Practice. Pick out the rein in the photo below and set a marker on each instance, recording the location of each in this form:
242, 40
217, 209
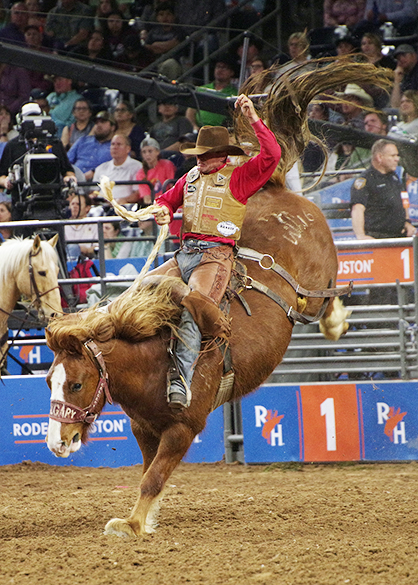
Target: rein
292, 314
65, 412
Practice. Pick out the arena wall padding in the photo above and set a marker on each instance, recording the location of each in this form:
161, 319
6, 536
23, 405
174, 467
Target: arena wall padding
24, 404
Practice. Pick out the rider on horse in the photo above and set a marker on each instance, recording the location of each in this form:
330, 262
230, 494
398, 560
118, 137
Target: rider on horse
213, 195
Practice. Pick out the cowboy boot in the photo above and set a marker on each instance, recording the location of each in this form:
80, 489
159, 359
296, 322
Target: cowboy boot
200, 317
184, 356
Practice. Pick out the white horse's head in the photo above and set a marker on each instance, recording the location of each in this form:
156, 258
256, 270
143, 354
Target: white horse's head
30, 268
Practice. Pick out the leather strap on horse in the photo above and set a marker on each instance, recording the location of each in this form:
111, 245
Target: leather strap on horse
291, 313
65, 412
37, 302
249, 254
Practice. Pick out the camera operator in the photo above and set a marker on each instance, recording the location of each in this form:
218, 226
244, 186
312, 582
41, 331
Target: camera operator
31, 197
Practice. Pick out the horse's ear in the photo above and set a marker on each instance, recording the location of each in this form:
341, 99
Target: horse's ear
36, 244
53, 241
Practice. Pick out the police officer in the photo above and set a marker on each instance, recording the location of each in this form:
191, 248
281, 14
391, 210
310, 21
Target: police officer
377, 210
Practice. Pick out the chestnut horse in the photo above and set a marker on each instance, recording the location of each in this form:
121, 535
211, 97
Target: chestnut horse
133, 338
122, 353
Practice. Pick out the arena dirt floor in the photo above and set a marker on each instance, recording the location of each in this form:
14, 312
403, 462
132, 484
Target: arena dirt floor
219, 524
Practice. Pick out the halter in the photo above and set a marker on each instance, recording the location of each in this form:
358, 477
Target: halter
34, 287
65, 412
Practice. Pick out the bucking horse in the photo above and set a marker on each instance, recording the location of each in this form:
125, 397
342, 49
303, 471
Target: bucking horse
286, 272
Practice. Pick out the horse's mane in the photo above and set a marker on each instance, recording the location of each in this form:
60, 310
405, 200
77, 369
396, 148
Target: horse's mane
285, 109
138, 314
14, 254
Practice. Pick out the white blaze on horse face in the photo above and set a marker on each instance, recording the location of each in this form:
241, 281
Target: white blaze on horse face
54, 440
57, 393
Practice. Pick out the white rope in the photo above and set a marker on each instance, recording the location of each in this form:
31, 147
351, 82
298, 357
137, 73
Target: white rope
106, 187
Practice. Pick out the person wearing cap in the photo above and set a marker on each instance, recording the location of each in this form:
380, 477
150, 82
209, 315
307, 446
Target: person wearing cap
171, 127
213, 195
14, 151
91, 151
345, 45
39, 96
225, 69
121, 167
406, 73
61, 102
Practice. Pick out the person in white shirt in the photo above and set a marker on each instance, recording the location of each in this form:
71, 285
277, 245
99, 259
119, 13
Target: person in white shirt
79, 207
121, 168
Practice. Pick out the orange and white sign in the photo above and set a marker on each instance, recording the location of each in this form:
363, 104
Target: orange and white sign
376, 265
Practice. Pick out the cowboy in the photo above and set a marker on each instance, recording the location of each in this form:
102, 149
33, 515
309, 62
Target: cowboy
213, 195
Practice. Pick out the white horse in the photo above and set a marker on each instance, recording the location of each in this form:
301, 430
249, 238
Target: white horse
29, 268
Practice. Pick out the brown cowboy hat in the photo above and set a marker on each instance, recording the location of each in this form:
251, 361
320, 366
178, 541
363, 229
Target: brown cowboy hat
211, 139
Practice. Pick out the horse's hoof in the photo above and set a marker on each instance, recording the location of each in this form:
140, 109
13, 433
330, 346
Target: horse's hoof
119, 527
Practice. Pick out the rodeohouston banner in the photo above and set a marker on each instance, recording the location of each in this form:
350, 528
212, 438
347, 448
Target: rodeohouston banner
366, 421
24, 404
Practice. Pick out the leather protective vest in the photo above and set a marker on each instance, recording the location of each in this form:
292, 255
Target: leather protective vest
209, 207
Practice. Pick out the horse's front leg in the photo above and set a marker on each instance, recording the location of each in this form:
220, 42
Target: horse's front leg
174, 444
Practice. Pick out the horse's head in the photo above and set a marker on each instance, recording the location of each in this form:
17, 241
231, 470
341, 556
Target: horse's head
79, 390
39, 282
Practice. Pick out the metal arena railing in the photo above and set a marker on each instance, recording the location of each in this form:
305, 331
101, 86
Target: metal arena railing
381, 336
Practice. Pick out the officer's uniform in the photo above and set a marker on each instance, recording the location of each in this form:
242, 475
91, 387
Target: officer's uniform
384, 215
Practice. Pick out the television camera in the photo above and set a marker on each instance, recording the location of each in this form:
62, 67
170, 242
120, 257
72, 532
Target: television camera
36, 175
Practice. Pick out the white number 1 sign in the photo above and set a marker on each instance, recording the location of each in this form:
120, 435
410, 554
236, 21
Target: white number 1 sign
328, 410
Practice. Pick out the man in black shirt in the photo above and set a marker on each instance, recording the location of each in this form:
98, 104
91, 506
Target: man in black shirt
376, 204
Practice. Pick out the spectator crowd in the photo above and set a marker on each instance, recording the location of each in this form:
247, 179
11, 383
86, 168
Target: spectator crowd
106, 132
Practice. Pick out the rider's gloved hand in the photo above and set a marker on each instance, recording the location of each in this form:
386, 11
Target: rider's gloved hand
162, 217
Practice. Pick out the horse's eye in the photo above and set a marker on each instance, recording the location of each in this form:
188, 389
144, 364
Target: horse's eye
76, 387
42, 273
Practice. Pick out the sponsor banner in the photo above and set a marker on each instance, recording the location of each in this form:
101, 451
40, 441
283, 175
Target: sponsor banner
25, 403
331, 422
390, 417
272, 429
376, 265
37, 357
412, 188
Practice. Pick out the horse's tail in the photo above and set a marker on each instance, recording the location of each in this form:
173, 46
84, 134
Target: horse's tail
333, 324
288, 95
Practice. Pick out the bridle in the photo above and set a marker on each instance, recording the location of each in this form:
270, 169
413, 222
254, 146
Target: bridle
34, 287
65, 412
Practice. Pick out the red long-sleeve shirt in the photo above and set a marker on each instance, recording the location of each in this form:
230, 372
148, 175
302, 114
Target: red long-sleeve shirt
246, 180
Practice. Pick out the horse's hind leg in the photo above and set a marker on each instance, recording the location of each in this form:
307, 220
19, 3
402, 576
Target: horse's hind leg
174, 444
